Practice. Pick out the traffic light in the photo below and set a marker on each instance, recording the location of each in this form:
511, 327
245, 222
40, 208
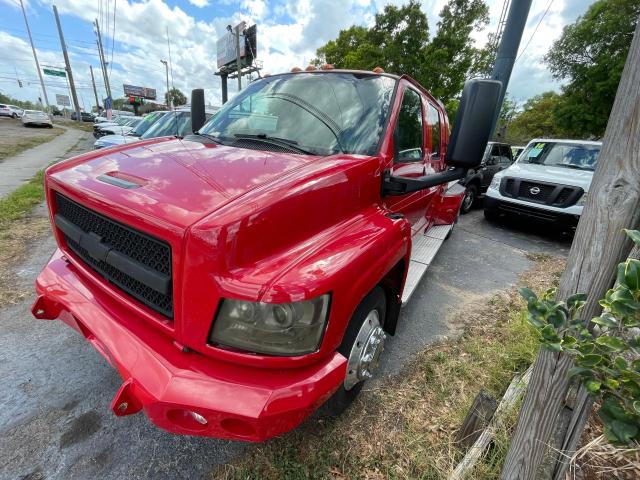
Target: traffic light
135, 100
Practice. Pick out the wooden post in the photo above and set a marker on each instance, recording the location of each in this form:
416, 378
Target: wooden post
479, 416
599, 245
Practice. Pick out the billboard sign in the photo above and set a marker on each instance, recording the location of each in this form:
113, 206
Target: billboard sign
54, 73
63, 100
226, 47
143, 92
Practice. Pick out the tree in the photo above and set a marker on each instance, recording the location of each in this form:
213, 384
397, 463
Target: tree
399, 42
451, 54
590, 55
508, 112
176, 96
536, 119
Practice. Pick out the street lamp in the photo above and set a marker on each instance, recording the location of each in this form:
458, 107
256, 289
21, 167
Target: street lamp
169, 99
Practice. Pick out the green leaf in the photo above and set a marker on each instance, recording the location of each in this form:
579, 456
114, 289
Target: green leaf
586, 348
625, 431
606, 320
554, 347
568, 341
611, 383
527, 294
592, 385
590, 360
581, 371
620, 363
612, 343
636, 406
549, 334
576, 300
535, 321
633, 235
558, 317
632, 274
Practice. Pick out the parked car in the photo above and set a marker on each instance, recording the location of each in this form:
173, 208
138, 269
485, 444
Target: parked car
17, 111
241, 276
85, 116
497, 157
123, 129
5, 111
36, 117
133, 135
549, 181
119, 121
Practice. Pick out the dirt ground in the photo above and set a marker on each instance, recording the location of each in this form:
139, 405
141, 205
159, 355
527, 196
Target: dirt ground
13, 134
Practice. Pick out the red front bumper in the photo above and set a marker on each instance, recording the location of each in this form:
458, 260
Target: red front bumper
182, 392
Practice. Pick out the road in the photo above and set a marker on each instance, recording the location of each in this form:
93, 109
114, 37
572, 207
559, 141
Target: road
56, 390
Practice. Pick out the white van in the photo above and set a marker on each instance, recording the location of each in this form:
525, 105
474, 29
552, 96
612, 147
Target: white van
549, 181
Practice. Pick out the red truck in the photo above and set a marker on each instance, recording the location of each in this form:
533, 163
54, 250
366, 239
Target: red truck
240, 277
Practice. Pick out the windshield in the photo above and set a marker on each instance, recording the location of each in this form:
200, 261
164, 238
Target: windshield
558, 154
319, 113
146, 123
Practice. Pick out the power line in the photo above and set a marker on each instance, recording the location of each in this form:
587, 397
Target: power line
534, 31
113, 36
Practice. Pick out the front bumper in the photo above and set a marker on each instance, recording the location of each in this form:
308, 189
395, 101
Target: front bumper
180, 390
513, 209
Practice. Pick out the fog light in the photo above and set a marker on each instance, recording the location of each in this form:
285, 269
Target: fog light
198, 418
187, 419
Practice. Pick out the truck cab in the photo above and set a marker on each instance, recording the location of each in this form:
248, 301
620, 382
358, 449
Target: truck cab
241, 276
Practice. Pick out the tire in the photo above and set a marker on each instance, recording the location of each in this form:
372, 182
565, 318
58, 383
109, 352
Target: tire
470, 196
374, 301
14, 116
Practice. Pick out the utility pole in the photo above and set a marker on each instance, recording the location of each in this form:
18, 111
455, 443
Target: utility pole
35, 57
95, 91
508, 49
102, 61
68, 66
238, 59
169, 99
613, 203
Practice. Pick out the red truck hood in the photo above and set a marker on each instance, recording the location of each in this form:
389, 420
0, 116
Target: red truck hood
175, 180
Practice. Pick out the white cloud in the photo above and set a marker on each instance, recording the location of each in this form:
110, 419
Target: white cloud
199, 3
282, 44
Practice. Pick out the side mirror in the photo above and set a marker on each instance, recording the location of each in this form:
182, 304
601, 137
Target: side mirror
468, 141
472, 128
198, 117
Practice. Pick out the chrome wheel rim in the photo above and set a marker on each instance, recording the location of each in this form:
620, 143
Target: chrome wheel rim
366, 351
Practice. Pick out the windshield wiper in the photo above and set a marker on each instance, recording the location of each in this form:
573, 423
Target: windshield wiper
274, 140
213, 138
576, 167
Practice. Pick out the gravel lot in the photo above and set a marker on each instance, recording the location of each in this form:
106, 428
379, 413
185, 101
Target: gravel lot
56, 390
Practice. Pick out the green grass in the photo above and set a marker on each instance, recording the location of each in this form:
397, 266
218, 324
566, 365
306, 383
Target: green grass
406, 426
84, 126
20, 202
24, 143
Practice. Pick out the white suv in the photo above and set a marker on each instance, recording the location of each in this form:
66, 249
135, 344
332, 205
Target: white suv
549, 181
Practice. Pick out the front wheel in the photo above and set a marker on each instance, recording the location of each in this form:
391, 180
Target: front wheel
362, 346
470, 196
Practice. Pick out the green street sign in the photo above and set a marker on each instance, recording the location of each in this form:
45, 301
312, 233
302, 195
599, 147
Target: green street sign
55, 73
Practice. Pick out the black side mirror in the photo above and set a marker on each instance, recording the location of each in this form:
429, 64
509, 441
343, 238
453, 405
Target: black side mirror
468, 141
471, 131
198, 117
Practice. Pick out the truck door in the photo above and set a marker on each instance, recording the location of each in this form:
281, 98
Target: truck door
410, 158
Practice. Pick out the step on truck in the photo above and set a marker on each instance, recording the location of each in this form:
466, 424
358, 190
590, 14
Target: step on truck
242, 276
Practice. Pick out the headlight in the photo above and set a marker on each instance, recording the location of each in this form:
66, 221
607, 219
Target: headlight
495, 183
582, 200
273, 328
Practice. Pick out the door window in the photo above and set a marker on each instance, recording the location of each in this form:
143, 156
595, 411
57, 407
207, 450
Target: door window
409, 128
433, 119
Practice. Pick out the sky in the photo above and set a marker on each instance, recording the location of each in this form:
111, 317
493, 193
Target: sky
289, 32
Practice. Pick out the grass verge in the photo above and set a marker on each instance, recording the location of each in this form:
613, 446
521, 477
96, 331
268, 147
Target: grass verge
84, 126
24, 143
18, 228
405, 427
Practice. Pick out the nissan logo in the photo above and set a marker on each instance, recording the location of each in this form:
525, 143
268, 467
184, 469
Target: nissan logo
534, 190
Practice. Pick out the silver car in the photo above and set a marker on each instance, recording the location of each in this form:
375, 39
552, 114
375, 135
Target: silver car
36, 117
